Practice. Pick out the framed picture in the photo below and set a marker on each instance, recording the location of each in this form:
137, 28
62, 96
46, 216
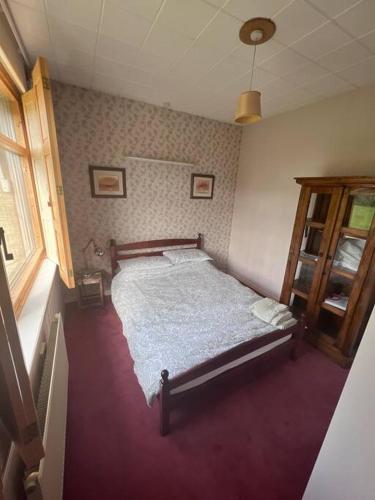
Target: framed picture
202, 186
107, 182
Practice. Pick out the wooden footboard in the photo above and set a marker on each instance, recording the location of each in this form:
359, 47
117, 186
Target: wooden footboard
167, 385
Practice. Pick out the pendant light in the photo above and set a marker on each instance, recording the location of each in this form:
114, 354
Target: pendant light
253, 32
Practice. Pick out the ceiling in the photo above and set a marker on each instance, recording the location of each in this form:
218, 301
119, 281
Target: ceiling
186, 54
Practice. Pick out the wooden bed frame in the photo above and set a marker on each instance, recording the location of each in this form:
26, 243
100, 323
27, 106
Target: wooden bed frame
166, 399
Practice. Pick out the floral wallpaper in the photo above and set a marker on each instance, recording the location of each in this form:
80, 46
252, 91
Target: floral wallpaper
98, 129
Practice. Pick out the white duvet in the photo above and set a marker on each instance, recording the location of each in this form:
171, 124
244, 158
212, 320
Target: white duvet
177, 317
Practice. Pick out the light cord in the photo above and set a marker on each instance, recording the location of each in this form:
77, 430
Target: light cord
252, 67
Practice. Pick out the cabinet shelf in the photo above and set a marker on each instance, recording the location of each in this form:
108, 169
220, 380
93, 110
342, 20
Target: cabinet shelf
345, 273
355, 233
307, 260
301, 288
332, 309
315, 225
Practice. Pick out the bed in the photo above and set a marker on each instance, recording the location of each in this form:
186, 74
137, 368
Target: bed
188, 323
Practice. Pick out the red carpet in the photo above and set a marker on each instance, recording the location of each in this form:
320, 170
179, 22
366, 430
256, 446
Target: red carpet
252, 437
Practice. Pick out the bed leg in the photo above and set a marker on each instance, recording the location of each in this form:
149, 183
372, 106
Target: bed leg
164, 403
298, 337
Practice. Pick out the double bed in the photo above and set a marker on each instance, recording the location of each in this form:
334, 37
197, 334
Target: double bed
188, 322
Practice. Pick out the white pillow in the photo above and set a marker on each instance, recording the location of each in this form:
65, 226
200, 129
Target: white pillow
143, 263
187, 255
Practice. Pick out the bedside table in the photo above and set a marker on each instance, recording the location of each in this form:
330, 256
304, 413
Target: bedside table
90, 288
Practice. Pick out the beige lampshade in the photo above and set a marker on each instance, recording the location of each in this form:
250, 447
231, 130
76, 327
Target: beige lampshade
248, 107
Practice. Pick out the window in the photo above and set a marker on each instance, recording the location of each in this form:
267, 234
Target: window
18, 212
31, 192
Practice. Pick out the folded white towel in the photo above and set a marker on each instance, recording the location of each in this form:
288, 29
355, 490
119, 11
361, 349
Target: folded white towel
287, 324
267, 309
281, 317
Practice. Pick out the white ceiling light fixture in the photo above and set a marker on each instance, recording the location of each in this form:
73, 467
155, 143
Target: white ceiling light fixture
253, 32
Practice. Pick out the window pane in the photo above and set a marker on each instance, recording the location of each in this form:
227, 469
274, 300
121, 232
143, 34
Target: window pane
15, 214
7, 127
361, 211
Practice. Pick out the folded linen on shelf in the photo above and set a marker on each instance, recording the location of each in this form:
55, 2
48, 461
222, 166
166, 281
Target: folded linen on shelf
272, 312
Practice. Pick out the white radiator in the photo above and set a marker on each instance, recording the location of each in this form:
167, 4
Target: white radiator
46, 483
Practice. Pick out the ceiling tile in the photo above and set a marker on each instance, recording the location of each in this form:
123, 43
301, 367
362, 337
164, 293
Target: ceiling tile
74, 58
284, 62
122, 72
54, 71
104, 83
29, 21
221, 75
324, 39
123, 25
260, 79
124, 88
170, 44
144, 8
141, 93
244, 10
306, 73
277, 88
35, 45
369, 40
360, 19
33, 4
296, 21
84, 13
333, 8
362, 73
115, 50
41, 50
344, 57
188, 18
328, 85
196, 62
67, 35
221, 34
217, 3
292, 100
149, 61
82, 77
265, 51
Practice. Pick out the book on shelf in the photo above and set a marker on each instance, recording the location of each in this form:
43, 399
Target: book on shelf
340, 301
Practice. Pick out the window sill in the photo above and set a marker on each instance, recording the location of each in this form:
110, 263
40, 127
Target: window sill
31, 316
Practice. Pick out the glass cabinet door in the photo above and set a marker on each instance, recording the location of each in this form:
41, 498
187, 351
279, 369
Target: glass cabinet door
347, 250
309, 253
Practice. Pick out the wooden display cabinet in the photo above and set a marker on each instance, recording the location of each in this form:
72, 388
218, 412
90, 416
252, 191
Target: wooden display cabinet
330, 274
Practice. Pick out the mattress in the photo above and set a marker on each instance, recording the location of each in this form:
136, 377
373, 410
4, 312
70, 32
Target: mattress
178, 317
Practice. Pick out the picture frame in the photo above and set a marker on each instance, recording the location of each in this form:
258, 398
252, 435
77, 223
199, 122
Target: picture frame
202, 186
107, 182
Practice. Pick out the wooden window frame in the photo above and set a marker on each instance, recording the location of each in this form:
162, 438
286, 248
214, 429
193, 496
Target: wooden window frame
21, 288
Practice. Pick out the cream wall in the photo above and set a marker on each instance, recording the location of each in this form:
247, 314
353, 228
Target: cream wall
333, 137
345, 467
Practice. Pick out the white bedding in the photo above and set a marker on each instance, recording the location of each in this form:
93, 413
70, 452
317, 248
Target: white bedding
177, 317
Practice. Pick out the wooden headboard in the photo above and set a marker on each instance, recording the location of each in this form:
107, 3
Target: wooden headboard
126, 250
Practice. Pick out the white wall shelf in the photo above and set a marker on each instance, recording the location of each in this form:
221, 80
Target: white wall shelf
157, 160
